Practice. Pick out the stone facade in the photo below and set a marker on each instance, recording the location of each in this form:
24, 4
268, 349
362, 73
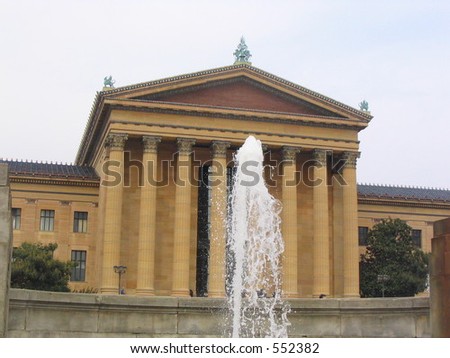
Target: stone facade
419, 207
136, 181
35, 193
192, 115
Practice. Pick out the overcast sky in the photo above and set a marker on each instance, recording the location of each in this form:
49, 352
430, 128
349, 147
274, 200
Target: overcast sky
395, 54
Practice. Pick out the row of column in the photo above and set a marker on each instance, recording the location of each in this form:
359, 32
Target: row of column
182, 230
147, 217
321, 225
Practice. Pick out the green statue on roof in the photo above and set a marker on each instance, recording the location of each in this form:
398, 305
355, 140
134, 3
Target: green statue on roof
108, 82
242, 54
364, 106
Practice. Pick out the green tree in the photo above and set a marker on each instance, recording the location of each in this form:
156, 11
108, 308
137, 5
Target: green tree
392, 255
34, 268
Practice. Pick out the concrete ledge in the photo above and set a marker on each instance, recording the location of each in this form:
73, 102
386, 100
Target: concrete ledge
51, 314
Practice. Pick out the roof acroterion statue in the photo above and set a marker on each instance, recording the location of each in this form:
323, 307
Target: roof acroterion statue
364, 106
108, 82
242, 54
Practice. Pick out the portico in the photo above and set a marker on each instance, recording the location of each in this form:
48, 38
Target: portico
149, 142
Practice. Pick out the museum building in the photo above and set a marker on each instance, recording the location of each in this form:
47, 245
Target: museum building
149, 188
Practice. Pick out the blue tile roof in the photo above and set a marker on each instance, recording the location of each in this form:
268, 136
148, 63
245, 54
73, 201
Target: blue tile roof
54, 170
401, 192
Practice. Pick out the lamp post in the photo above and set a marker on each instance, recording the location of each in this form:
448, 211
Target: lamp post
382, 279
120, 270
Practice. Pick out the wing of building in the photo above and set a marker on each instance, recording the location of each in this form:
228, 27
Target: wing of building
149, 187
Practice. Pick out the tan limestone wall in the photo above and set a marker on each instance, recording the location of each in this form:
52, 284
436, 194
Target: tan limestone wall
418, 217
65, 200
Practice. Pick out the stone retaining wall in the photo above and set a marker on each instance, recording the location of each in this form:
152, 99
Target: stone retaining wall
49, 314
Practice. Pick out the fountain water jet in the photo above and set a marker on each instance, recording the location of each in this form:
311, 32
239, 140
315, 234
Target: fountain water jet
255, 246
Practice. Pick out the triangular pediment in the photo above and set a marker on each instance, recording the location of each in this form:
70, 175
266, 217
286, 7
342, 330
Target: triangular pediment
239, 93
237, 87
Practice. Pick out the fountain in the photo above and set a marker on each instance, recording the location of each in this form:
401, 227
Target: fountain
255, 247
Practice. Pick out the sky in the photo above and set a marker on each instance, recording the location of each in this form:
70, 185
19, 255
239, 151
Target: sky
394, 54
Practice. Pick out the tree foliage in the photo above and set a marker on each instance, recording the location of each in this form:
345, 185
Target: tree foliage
391, 252
34, 268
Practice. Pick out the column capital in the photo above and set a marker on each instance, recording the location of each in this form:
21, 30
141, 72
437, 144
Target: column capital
290, 153
150, 143
185, 145
219, 149
350, 159
320, 156
116, 141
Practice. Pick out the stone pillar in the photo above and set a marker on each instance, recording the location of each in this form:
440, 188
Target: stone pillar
114, 180
217, 258
337, 261
440, 280
147, 218
350, 225
5, 248
321, 238
182, 232
289, 222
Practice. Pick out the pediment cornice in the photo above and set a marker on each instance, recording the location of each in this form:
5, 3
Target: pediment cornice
139, 97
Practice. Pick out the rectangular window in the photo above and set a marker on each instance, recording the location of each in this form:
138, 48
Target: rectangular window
80, 219
79, 269
417, 237
362, 235
47, 220
16, 216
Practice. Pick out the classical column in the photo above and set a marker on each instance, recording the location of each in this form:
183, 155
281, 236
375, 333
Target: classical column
289, 222
350, 225
182, 224
114, 177
321, 237
147, 218
218, 182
